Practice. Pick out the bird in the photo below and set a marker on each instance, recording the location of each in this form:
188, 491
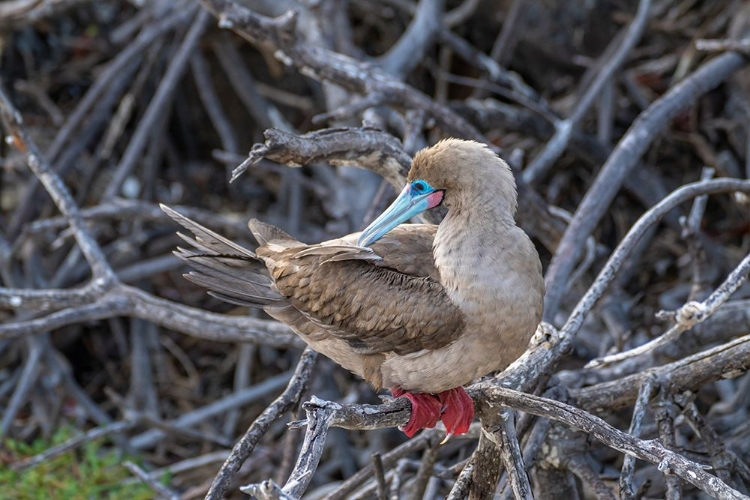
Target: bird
421, 309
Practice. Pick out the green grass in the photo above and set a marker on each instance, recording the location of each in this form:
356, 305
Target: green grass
89, 472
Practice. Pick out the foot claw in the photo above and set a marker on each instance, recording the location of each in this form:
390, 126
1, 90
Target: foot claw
446, 439
425, 410
458, 411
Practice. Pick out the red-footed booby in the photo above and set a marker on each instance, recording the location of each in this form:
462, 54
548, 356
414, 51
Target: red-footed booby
418, 308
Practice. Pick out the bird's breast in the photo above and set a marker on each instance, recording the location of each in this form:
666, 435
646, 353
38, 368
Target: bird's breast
495, 281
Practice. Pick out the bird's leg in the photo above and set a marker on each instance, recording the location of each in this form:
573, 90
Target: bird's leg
458, 410
425, 410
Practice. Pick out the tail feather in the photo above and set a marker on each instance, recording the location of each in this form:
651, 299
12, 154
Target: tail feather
205, 239
236, 291
225, 267
229, 271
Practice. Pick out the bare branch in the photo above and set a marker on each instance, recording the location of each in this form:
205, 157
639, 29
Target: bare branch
19, 138
649, 451
686, 317
162, 491
279, 36
156, 107
722, 362
410, 48
244, 447
618, 165
564, 129
627, 489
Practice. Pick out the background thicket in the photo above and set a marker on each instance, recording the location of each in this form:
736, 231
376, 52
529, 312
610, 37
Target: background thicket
626, 123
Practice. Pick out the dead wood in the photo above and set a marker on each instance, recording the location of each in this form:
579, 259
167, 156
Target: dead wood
626, 123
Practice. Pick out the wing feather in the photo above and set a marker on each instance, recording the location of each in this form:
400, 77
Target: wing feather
376, 308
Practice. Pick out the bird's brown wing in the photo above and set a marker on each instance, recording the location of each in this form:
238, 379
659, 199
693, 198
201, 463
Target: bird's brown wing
408, 249
387, 299
353, 294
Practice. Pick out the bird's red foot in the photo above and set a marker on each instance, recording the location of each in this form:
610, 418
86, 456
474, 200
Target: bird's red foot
458, 411
425, 410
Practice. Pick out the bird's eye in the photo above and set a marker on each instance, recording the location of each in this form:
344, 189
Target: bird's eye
419, 186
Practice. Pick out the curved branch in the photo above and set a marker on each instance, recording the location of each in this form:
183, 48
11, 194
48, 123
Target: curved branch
625, 156
125, 300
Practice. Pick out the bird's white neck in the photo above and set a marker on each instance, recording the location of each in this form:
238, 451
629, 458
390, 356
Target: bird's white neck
471, 251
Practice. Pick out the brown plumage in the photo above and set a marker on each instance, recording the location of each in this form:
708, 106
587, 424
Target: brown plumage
425, 309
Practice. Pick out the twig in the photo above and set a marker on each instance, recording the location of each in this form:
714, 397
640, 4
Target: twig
285, 402
350, 109
319, 420
169, 428
510, 452
152, 483
460, 488
102, 93
242, 81
722, 45
366, 147
605, 115
26, 381
426, 467
664, 414
143, 395
649, 451
18, 14
409, 50
120, 208
155, 110
398, 473
423, 440
579, 466
377, 463
533, 445
267, 490
124, 300
186, 465
517, 91
60, 194
151, 437
292, 441
212, 104
461, 14
687, 316
722, 459
725, 361
564, 129
628, 243
627, 489
56, 451
242, 370
280, 37
691, 233
502, 49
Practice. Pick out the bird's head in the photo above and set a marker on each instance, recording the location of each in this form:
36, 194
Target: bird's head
452, 173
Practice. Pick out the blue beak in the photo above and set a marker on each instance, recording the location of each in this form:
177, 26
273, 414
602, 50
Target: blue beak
406, 206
